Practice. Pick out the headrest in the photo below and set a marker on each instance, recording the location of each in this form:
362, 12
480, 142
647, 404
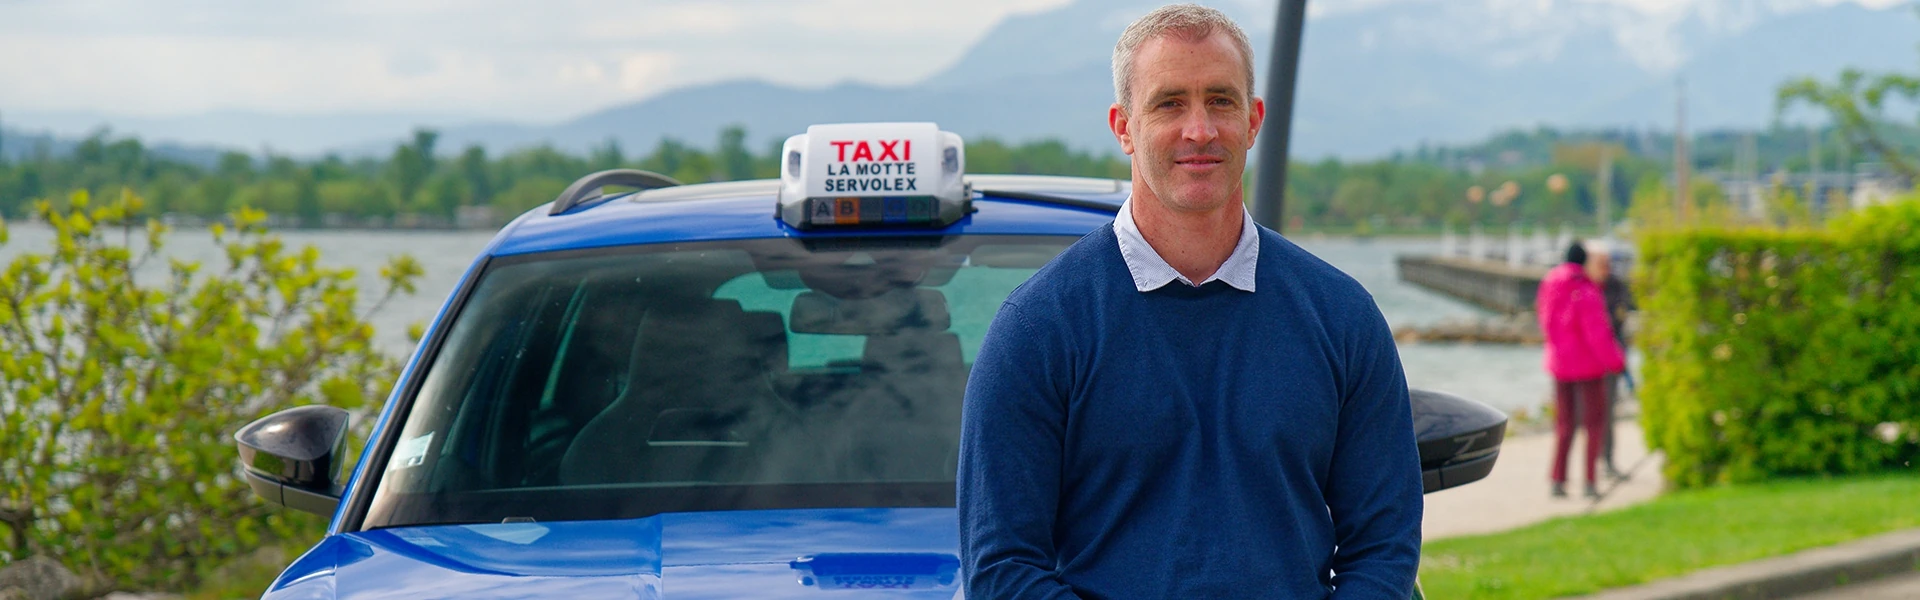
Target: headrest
706, 331
771, 334
896, 310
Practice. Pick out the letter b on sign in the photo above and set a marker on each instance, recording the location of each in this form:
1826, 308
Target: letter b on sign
846, 211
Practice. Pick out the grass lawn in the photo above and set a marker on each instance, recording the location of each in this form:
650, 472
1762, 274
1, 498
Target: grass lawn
1675, 534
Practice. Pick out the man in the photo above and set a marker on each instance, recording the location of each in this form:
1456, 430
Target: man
1619, 300
1187, 405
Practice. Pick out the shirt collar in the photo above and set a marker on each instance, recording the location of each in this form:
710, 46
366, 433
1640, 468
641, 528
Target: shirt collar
1151, 272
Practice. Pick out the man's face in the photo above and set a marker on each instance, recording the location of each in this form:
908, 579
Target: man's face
1191, 121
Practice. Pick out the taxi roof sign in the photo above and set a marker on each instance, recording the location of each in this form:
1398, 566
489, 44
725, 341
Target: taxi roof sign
873, 174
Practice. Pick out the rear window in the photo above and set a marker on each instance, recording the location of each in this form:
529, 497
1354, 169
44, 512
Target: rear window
754, 374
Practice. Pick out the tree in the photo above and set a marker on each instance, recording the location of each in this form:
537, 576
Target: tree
607, 156
696, 167
445, 194
667, 158
376, 199
92, 150
306, 200
770, 166
281, 167
26, 185
236, 166
423, 142
412, 163
1357, 198
169, 193
736, 163
216, 195
474, 169
527, 193
120, 395
1855, 102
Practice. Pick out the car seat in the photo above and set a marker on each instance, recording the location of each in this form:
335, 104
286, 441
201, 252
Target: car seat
698, 399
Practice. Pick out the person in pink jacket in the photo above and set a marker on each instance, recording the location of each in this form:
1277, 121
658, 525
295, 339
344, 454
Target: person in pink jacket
1581, 352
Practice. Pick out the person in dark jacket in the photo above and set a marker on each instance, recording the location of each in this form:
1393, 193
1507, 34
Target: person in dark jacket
1619, 302
1581, 352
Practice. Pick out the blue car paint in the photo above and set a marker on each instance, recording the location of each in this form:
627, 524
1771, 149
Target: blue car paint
703, 555
882, 552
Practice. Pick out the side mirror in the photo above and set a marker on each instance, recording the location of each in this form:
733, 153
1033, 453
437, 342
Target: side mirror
292, 457
1458, 438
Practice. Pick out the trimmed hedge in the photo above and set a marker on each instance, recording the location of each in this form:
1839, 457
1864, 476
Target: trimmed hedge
1773, 353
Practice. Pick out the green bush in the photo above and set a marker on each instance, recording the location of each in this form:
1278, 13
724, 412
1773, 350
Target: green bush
123, 375
1783, 352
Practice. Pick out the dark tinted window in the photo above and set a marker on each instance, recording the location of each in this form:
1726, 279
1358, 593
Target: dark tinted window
729, 375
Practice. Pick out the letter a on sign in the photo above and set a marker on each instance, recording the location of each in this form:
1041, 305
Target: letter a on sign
822, 210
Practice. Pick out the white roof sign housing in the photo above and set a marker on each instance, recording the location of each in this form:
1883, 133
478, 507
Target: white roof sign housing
873, 174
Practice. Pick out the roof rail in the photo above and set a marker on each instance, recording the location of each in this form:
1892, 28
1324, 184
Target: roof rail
588, 188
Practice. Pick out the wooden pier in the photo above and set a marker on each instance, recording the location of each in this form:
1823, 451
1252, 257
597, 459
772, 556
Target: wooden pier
1493, 285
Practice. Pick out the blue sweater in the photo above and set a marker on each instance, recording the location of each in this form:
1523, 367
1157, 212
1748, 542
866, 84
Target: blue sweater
1188, 442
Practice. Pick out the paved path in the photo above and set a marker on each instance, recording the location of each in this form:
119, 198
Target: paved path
1515, 493
1903, 587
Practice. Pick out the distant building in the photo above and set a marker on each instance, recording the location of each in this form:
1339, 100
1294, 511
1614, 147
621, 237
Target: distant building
1868, 184
475, 217
1875, 184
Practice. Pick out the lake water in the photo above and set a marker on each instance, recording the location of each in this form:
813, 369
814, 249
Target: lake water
1507, 377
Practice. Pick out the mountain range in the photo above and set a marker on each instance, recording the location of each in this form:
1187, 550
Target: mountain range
1375, 76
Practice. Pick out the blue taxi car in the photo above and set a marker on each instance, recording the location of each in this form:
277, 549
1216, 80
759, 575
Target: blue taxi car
747, 389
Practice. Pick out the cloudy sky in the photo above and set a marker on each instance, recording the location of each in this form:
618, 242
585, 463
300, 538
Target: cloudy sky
508, 59
496, 58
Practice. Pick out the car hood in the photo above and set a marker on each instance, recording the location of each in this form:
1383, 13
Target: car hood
874, 553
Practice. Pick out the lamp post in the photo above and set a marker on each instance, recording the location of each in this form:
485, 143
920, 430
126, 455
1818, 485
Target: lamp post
1476, 246
1283, 65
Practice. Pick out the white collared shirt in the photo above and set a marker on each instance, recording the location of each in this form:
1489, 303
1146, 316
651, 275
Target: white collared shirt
1150, 272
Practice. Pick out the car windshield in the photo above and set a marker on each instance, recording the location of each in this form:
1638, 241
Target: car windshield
751, 374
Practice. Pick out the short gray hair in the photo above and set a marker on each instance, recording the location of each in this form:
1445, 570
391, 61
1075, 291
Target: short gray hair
1190, 22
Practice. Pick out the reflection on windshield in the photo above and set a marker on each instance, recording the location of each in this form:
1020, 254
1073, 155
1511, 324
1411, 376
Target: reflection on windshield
621, 383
